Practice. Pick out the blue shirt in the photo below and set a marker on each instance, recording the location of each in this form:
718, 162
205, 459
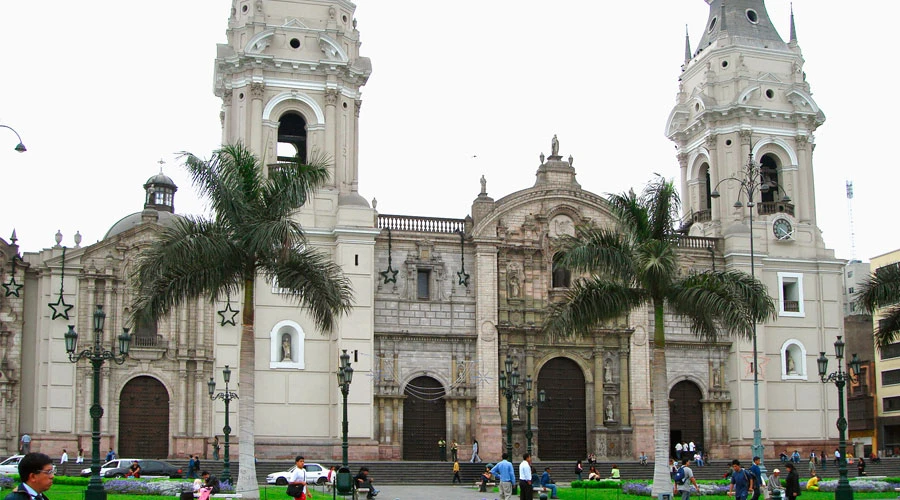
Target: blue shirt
757, 474
545, 478
741, 482
504, 470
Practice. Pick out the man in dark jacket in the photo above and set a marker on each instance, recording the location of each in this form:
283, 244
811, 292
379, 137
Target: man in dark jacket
36, 473
792, 484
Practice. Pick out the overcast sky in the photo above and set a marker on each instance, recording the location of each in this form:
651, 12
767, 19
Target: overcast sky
101, 92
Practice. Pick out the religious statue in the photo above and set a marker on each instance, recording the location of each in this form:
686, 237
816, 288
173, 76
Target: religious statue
286, 347
554, 146
609, 410
460, 371
515, 408
607, 372
514, 288
483, 185
717, 377
791, 368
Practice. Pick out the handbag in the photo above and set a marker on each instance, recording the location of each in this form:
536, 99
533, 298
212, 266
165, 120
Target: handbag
295, 490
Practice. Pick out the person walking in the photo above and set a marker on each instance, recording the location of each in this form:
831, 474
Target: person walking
837, 458
111, 455
685, 481
475, 458
26, 444
197, 466
36, 476
298, 475
79, 459
741, 481
757, 478
792, 484
579, 469
812, 464
63, 463
190, 468
526, 490
504, 470
456, 478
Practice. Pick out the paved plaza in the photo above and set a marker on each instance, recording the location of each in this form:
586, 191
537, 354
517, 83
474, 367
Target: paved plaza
425, 492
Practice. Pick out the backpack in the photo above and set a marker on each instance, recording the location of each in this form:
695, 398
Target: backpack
679, 476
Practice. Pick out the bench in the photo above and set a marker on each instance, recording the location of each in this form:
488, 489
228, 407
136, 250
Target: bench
489, 484
221, 495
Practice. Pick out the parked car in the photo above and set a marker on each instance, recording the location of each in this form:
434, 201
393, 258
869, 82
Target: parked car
10, 465
149, 468
315, 473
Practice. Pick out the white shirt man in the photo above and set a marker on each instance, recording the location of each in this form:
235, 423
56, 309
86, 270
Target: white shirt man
691, 448
526, 490
63, 460
298, 476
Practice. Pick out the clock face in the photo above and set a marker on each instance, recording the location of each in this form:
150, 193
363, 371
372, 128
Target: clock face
783, 229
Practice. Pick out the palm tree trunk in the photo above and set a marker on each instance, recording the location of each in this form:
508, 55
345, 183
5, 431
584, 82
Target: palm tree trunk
247, 483
662, 481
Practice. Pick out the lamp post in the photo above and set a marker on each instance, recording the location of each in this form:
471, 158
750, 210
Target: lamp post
19, 147
97, 355
226, 396
840, 379
751, 183
344, 376
509, 384
529, 404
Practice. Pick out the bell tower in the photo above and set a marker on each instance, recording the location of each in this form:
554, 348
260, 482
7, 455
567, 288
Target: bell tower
745, 115
290, 79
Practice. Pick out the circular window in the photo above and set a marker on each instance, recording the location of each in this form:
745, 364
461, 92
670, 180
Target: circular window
344, 18
724, 64
295, 43
770, 93
345, 105
752, 16
697, 107
241, 95
244, 9
712, 25
728, 142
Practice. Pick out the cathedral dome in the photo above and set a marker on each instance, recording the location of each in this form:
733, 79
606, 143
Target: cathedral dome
160, 179
130, 221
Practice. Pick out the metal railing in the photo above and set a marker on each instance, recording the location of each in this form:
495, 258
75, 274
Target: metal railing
792, 306
420, 224
775, 207
147, 341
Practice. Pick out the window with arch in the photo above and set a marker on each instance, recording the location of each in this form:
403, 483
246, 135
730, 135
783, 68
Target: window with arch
562, 276
287, 340
768, 173
793, 360
291, 138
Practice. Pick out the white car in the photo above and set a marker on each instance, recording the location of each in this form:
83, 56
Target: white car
10, 465
119, 463
315, 473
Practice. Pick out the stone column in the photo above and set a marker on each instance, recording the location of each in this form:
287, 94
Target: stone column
225, 116
805, 200
598, 418
257, 91
624, 396
487, 421
330, 137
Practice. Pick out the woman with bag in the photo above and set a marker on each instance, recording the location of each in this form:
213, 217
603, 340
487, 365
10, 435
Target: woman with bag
297, 481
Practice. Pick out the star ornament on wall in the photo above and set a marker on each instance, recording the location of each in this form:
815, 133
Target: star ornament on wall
12, 288
228, 315
389, 275
60, 308
463, 278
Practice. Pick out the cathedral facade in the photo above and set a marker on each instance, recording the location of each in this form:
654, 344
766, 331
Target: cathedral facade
441, 304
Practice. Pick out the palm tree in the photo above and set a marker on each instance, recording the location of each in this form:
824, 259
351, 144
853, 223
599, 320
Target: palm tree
251, 233
636, 264
882, 290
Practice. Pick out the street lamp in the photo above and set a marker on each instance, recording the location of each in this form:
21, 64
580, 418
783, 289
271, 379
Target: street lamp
344, 376
529, 404
509, 384
751, 182
19, 147
840, 378
97, 355
226, 396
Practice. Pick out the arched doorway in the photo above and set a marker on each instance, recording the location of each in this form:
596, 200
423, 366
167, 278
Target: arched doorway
563, 428
686, 415
424, 419
144, 419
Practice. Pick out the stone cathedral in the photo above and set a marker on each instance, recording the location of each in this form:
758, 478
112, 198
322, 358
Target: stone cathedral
442, 303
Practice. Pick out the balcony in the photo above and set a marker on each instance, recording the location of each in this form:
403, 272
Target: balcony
421, 224
792, 306
775, 207
701, 216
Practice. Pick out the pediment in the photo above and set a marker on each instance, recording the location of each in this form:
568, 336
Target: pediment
294, 23
769, 77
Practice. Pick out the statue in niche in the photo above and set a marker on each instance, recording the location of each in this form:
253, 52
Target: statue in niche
460, 372
514, 287
609, 410
717, 377
515, 408
286, 347
791, 368
607, 372
554, 146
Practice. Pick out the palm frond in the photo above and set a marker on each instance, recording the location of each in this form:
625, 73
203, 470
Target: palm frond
230, 180
597, 250
888, 330
631, 215
316, 282
590, 302
291, 184
656, 265
193, 258
661, 200
880, 289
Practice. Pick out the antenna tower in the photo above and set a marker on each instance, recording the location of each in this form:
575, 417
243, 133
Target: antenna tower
852, 230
